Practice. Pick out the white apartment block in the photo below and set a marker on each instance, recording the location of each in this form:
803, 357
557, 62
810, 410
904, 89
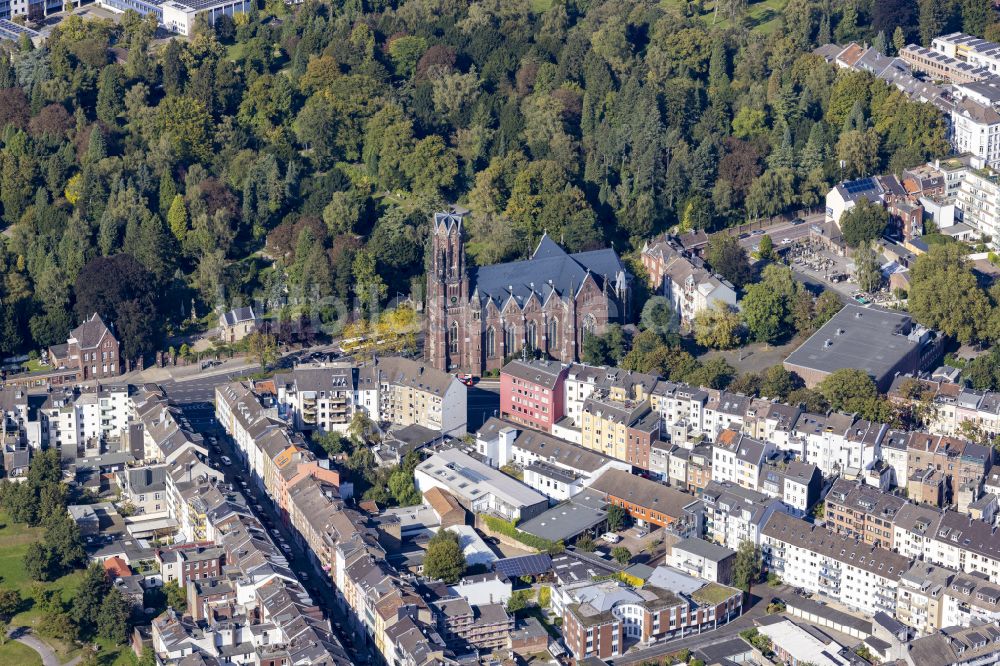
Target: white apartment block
556, 468
860, 576
975, 129
979, 199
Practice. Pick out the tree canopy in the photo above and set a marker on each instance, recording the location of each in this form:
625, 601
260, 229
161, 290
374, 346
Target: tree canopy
298, 160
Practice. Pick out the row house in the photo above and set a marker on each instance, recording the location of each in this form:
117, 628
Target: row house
605, 619
738, 458
680, 404
961, 465
920, 597
724, 410
582, 381
275, 458
323, 397
861, 512
948, 539
619, 427
688, 469
972, 646
797, 484
554, 467
931, 597
858, 575
839, 444
185, 562
734, 514
166, 432
186, 480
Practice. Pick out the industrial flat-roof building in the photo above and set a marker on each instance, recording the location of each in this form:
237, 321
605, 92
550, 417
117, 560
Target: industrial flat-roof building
880, 342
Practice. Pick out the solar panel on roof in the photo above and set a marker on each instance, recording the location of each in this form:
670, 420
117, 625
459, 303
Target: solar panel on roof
13, 30
856, 186
527, 565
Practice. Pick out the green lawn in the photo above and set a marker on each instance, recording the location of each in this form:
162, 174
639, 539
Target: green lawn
22, 655
14, 541
764, 15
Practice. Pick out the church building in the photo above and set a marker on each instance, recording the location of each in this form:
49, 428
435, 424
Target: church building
478, 317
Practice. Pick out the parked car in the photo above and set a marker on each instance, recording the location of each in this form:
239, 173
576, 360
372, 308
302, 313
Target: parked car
226, 461
610, 537
786, 241
276, 533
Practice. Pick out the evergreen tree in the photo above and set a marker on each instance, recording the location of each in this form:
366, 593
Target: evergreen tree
898, 39
167, 191
97, 148
111, 94
177, 217
824, 36
880, 44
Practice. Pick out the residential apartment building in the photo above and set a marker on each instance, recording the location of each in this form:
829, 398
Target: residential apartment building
532, 393
554, 467
619, 426
681, 276
979, 194
321, 397
962, 465
703, 559
413, 392
861, 512
976, 130
603, 620
734, 514
953, 646
858, 575
739, 458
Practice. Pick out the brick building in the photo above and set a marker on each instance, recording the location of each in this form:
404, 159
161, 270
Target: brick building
477, 317
91, 349
862, 512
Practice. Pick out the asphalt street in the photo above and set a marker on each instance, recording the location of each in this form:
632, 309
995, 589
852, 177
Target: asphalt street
779, 233
196, 403
195, 396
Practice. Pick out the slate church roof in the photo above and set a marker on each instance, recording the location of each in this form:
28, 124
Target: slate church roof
549, 269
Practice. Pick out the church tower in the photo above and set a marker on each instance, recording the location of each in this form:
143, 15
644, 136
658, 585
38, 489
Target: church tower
447, 292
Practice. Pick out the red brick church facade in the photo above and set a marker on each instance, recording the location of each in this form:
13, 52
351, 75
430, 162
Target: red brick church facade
478, 317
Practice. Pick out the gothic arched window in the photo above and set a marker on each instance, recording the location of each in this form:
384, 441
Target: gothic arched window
509, 340
531, 335
552, 334
589, 325
491, 342
453, 338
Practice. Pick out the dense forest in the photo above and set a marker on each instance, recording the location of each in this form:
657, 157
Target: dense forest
296, 153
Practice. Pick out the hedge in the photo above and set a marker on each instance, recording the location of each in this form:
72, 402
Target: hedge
507, 528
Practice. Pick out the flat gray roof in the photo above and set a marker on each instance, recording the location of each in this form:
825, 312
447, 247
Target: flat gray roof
564, 521
868, 339
707, 549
